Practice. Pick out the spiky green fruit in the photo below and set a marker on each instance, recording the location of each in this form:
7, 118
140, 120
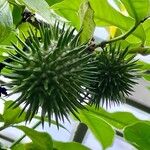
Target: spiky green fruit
117, 74
54, 73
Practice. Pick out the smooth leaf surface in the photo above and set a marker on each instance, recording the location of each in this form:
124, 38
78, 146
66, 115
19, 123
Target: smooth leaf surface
69, 146
42, 140
138, 9
138, 135
100, 129
69, 10
117, 119
146, 26
27, 146
11, 116
6, 20
106, 15
86, 14
52, 2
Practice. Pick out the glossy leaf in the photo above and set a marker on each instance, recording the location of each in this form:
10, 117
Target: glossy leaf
52, 2
6, 21
69, 146
27, 146
100, 129
39, 6
138, 135
106, 15
86, 14
138, 9
146, 26
144, 65
42, 140
69, 10
11, 116
117, 119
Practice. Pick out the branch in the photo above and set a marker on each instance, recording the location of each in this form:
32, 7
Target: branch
80, 133
121, 37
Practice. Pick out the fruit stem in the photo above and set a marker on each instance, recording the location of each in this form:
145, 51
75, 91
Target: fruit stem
121, 37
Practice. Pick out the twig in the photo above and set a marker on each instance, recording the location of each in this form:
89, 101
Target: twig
123, 36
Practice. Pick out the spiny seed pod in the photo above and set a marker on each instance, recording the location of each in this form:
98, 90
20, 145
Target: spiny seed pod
116, 76
54, 73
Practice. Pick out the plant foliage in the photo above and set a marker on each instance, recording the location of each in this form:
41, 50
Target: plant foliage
58, 67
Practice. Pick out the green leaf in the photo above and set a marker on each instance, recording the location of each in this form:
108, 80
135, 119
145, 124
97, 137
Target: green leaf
117, 119
69, 146
42, 140
69, 10
4, 49
32, 146
138, 135
39, 6
106, 15
144, 65
86, 14
17, 14
6, 21
146, 77
137, 9
11, 116
10, 38
102, 131
27, 146
1, 118
52, 2
146, 26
